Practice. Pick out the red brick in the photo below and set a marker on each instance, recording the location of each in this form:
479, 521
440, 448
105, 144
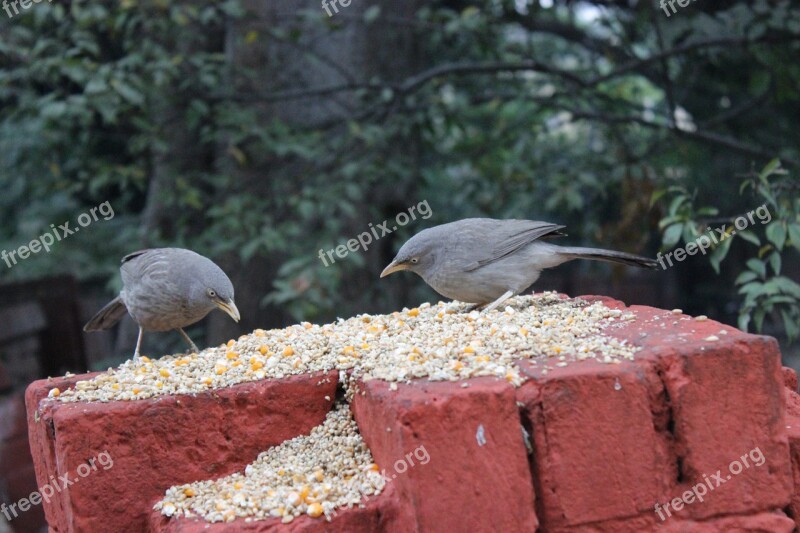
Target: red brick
377, 514
596, 423
790, 378
709, 403
767, 522
476, 477
163, 441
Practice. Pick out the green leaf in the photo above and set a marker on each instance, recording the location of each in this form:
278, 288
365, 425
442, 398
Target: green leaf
794, 234
758, 266
776, 233
672, 235
656, 196
791, 325
371, 14
676, 203
744, 321
750, 237
719, 254
768, 170
775, 262
744, 277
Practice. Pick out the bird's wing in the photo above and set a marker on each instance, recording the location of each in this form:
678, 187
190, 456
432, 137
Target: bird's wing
134, 255
513, 235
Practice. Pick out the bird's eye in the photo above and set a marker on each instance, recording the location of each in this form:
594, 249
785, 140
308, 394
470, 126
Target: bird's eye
414, 260
211, 293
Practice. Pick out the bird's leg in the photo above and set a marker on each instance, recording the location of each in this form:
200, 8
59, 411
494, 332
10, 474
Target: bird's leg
506, 295
138, 344
189, 341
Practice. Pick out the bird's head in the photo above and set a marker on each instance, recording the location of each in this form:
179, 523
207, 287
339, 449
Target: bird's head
418, 255
214, 289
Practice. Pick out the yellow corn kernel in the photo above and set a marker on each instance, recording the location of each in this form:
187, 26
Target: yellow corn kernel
115, 386
189, 492
482, 358
304, 492
458, 365
238, 485
257, 366
259, 333
135, 391
159, 385
348, 350
144, 359
281, 472
374, 467
207, 381
365, 346
236, 363
413, 312
319, 476
315, 510
54, 392
220, 369
164, 373
288, 351
232, 355
231, 343
469, 349
263, 349
523, 331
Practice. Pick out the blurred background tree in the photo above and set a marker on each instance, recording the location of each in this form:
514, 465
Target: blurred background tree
260, 132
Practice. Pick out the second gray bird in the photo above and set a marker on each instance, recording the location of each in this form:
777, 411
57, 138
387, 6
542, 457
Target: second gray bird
486, 261
165, 289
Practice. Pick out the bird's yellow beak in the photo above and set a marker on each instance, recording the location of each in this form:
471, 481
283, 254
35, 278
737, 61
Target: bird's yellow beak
230, 308
393, 267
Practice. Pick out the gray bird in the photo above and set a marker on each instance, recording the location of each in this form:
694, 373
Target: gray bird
167, 288
486, 261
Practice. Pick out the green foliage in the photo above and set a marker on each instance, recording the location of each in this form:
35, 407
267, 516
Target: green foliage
766, 292
505, 109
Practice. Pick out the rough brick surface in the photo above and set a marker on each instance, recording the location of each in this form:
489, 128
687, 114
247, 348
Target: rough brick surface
608, 442
476, 475
159, 442
651, 429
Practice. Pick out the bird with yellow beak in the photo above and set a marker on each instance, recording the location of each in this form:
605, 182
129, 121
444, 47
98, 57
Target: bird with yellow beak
166, 289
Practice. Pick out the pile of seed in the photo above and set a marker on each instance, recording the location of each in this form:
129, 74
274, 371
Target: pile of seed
311, 474
441, 342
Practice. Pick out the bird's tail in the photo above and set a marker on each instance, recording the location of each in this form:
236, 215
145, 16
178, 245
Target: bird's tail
107, 316
608, 255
